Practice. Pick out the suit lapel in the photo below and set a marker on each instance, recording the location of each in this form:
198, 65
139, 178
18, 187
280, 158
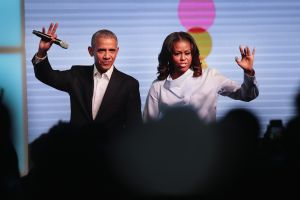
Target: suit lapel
89, 91
111, 89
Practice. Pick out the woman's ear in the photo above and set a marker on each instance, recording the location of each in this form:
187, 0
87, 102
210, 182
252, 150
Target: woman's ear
91, 51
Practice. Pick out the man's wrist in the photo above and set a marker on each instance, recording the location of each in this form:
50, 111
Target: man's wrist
37, 59
41, 54
249, 72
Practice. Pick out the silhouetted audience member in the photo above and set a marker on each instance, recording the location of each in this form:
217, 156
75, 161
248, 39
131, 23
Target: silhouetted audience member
292, 137
174, 157
291, 142
9, 171
274, 157
239, 134
68, 162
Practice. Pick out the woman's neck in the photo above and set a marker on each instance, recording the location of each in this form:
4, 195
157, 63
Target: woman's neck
175, 75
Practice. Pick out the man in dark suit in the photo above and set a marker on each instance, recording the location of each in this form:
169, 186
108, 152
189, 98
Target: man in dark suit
98, 93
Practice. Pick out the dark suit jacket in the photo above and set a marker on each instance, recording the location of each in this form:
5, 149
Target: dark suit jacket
121, 104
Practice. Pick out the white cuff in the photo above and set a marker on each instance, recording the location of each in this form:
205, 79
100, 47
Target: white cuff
37, 59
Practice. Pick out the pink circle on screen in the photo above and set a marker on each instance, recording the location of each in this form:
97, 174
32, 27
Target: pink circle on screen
196, 13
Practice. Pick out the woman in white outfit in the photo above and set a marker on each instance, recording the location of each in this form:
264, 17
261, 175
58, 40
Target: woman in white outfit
182, 82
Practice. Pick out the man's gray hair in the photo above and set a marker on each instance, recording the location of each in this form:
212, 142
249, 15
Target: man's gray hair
105, 34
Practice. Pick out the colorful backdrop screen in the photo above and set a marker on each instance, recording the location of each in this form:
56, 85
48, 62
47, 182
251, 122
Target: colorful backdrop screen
219, 27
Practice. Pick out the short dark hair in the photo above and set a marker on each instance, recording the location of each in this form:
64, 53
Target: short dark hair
103, 33
165, 64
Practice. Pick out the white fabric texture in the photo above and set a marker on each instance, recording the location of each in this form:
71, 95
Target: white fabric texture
200, 93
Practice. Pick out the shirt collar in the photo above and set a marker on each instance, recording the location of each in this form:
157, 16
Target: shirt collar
178, 81
175, 86
107, 74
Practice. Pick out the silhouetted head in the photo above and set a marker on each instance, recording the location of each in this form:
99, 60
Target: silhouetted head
5, 125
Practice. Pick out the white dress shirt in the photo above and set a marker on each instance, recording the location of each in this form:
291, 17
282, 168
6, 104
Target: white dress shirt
200, 93
100, 85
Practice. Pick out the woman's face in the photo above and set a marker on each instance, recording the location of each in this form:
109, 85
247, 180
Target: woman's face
182, 57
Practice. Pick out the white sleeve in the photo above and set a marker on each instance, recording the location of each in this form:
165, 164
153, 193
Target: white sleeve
37, 59
151, 109
245, 92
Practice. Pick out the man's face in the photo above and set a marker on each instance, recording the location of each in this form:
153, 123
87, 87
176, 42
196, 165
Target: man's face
105, 51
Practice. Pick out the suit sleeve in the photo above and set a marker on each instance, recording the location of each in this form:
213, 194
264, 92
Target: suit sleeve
133, 110
54, 78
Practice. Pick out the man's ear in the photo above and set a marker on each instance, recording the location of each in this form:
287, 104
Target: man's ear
91, 51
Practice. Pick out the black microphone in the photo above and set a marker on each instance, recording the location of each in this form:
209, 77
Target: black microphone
48, 38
